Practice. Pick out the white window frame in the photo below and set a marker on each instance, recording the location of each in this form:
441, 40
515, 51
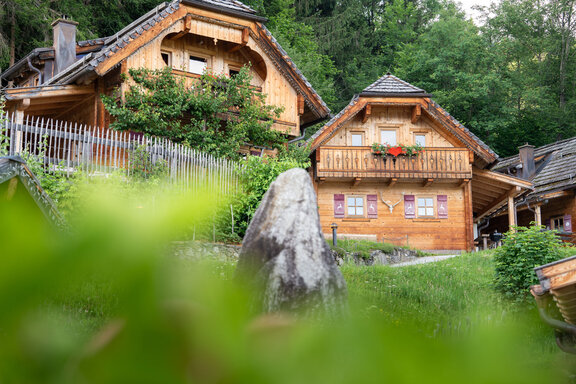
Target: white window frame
421, 134
206, 59
362, 139
394, 130
355, 206
170, 57
429, 210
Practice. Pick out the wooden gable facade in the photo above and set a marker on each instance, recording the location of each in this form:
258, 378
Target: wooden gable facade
191, 36
430, 201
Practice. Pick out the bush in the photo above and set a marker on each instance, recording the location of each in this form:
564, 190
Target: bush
522, 250
257, 175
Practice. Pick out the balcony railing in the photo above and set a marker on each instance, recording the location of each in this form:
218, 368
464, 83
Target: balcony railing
432, 163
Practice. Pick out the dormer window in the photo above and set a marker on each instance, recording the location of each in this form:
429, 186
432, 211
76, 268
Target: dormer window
197, 65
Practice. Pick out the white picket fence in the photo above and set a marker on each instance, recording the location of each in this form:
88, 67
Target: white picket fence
67, 147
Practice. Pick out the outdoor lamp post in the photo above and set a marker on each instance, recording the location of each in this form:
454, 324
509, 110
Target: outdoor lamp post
334, 227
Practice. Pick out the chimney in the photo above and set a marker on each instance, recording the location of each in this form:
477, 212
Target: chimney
526, 153
64, 44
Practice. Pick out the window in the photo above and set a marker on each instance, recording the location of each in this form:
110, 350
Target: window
233, 72
388, 136
557, 223
420, 139
197, 65
166, 58
425, 206
357, 139
355, 205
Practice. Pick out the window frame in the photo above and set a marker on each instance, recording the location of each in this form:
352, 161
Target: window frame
389, 129
170, 58
423, 134
207, 59
426, 207
553, 223
362, 135
347, 207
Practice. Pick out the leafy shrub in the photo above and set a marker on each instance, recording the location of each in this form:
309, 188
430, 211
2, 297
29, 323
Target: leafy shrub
257, 175
521, 251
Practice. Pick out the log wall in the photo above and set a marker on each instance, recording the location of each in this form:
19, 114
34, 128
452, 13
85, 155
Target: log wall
421, 233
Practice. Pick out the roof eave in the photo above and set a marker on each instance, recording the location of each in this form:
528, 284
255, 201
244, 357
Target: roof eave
392, 94
225, 10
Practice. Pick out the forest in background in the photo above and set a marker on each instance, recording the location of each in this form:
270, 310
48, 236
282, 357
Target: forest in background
510, 78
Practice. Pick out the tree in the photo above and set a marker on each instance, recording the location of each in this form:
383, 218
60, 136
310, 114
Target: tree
217, 115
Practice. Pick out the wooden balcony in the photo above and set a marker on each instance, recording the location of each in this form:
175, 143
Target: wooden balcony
360, 162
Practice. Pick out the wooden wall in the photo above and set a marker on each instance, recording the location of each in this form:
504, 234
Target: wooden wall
213, 40
426, 234
390, 118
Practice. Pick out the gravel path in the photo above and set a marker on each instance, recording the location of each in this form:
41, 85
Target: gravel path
424, 260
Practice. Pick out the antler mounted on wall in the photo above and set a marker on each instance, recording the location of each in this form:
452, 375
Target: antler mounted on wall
390, 205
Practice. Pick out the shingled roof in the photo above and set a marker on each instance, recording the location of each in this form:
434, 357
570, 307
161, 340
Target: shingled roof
555, 167
389, 85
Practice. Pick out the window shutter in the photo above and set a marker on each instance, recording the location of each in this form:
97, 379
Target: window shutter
442, 206
567, 223
372, 206
339, 206
409, 207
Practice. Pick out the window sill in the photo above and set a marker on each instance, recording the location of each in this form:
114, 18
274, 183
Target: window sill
426, 220
358, 219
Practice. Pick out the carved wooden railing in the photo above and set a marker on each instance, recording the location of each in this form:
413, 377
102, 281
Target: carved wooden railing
432, 163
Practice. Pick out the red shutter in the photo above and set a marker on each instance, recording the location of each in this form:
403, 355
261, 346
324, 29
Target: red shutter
339, 206
442, 207
409, 207
372, 206
567, 223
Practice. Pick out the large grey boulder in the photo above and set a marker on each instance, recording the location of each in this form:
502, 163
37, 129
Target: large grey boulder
284, 256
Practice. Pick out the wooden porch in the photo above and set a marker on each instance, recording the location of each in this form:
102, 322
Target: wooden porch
360, 162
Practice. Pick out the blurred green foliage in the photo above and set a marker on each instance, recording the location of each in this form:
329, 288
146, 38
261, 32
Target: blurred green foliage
108, 303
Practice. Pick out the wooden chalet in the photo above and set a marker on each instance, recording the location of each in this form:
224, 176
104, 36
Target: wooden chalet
65, 81
432, 201
552, 202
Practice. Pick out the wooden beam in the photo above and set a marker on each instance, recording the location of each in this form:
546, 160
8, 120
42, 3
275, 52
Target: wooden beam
498, 202
538, 214
511, 213
366, 113
502, 178
392, 181
245, 37
555, 195
427, 182
47, 91
300, 104
185, 30
464, 183
356, 181
416, 113
74, 106
321, 180
468, 217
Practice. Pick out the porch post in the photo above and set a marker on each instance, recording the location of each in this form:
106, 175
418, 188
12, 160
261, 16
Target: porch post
538, 215
511, 212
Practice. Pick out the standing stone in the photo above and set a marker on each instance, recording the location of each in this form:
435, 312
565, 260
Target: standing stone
284, 256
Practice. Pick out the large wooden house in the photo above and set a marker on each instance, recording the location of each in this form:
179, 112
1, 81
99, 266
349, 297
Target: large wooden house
431, 201
552, 202
65, 81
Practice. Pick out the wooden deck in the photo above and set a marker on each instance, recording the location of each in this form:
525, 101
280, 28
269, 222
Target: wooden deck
360, 162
